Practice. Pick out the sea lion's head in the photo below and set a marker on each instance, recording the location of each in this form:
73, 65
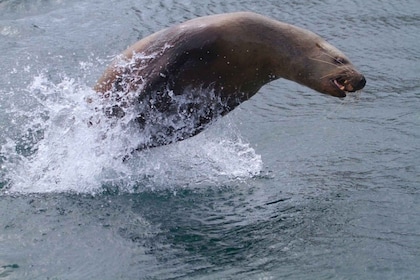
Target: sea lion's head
324, 68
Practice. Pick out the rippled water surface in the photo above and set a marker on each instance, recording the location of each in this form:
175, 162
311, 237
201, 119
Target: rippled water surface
291, 185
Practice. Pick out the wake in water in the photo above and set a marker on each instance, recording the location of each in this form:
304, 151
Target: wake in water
68, 144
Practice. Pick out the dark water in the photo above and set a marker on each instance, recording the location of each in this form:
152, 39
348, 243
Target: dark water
292, 185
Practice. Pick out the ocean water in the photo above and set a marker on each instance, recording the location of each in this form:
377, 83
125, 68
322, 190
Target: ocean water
291, 185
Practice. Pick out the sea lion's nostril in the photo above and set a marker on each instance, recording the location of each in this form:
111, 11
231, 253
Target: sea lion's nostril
361, 84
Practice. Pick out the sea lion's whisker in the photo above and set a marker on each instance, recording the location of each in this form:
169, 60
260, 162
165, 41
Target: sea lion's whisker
330, 63
323, 61
328, 75
337, 108
334, 58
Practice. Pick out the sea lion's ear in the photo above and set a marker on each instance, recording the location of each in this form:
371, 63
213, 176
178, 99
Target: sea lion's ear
319, 46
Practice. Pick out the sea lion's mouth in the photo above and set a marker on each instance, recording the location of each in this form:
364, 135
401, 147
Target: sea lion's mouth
344, 85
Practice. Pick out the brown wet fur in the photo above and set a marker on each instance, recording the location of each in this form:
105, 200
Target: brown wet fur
235, 54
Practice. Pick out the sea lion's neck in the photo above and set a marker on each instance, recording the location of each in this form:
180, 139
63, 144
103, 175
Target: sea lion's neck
261, 58
288, 48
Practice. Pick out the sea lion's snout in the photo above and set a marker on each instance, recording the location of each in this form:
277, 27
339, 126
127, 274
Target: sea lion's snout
350, 85
361, 84
345, 84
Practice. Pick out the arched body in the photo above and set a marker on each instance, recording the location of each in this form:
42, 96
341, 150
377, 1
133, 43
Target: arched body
201, 69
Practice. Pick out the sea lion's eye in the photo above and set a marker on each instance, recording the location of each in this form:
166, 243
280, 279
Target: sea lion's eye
340, 60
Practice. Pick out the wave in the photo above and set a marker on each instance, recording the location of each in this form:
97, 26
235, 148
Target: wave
65, 143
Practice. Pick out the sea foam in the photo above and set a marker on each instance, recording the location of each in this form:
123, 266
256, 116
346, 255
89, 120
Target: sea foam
68, 144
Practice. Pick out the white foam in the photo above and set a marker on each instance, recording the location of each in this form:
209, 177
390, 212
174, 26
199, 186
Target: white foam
60, 152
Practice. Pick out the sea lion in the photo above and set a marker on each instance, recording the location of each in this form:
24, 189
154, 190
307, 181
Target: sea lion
183, 77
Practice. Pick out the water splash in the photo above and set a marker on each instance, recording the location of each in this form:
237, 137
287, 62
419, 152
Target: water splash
68, 144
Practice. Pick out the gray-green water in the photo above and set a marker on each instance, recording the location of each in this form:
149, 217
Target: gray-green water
292, 185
